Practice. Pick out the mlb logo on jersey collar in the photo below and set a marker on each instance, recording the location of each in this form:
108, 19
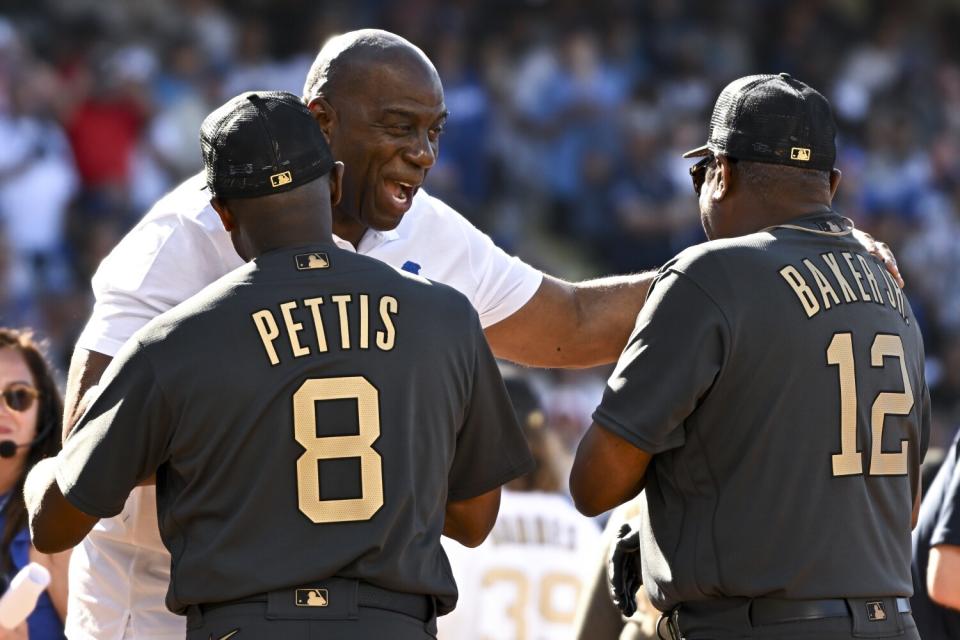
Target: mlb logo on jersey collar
308, 261
411, 267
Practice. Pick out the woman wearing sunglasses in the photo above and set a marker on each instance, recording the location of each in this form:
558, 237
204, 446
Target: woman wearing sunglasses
31, 409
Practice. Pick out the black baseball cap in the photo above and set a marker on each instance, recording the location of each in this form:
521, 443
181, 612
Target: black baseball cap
525, 400
775, 119
260, 143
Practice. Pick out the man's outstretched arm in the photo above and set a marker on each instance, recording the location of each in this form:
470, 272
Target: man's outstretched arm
585, 324
568, 324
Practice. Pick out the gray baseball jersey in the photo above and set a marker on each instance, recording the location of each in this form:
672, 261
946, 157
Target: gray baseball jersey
778, 379
307, 415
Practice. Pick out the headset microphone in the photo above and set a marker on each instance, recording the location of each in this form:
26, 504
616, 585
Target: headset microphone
8, 448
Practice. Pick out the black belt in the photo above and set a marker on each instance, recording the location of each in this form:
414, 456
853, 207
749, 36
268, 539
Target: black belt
416, 605
775, 610
766, 611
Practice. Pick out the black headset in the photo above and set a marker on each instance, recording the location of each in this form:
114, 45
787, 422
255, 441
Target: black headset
8, 448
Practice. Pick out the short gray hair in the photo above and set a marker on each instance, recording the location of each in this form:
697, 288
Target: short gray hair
770, 180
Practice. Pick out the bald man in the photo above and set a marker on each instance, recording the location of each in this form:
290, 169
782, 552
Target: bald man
379, 102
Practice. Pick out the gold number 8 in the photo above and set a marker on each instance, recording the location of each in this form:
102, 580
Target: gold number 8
334, 447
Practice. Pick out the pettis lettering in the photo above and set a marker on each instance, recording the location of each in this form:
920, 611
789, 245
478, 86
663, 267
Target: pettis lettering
306, 324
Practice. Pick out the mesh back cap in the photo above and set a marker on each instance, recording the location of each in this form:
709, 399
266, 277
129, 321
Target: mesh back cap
775, 119
260, 143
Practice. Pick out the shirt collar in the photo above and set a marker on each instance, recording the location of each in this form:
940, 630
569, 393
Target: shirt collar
371, 240
825, 222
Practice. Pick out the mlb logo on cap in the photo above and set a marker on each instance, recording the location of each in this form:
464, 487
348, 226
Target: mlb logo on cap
280, 179
800, 153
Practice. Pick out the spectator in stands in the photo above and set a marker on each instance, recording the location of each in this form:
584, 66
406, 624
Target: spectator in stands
104, 124
37, 183
31, 411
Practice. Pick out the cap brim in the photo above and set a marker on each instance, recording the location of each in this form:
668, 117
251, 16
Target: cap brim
698, 152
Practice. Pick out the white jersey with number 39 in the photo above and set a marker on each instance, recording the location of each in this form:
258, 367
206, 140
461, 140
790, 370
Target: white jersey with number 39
523, 582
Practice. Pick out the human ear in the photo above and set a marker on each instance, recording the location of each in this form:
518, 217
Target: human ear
723, 175
325, 115
835, 176
336, 180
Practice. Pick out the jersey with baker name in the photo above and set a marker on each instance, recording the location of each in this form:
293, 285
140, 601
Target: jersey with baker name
778, 378
308, 415
524, 581
119, 573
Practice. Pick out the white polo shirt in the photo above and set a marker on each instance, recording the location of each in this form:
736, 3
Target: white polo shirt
120, 572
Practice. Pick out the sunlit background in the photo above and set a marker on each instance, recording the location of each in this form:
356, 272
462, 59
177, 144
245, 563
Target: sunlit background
567, 123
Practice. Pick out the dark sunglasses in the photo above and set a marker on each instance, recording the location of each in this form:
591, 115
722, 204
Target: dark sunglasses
698, 172
19, 397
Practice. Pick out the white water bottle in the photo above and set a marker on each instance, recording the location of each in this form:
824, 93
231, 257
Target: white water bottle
21, 597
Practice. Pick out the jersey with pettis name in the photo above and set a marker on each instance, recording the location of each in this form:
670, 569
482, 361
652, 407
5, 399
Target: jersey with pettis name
778, 378
120, 572
308, 415
525, 580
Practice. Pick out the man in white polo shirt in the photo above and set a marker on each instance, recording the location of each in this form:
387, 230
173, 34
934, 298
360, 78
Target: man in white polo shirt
379, 101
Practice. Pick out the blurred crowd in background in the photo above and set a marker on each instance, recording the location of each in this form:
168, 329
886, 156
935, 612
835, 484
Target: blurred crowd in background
567, 120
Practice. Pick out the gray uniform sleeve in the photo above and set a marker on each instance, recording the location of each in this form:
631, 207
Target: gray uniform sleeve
491, 447
672, 357
121, 439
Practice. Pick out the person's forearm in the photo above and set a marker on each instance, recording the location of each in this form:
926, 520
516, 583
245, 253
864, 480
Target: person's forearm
469, 521
55, 524
39, 481
943, 575
608, 309
86, 368
592, 486
566, 324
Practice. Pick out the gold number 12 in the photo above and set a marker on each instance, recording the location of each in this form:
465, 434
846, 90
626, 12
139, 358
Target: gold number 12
849, 461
